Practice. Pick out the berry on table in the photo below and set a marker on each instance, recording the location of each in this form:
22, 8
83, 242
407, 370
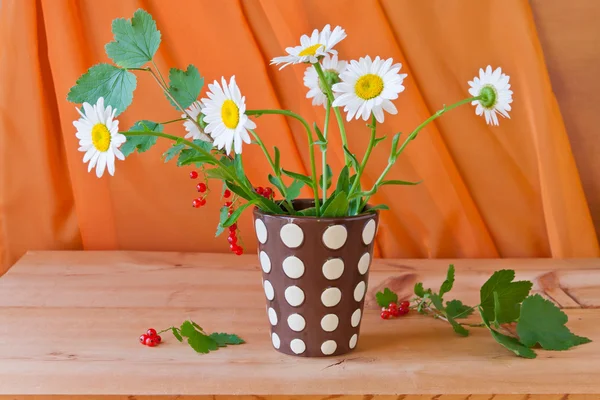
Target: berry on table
238, 251
393, 306
158, 339
143, 338
193, 174
151, 341
394, 312
227, 193
151, 332
201, 187
385, 314
403, 311
405, 304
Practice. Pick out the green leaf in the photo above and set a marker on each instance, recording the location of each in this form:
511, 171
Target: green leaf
141, 143
319, 133
397, 182
456, 309
176, 334
394, 148
194, 156
510, 295
378, 140
379, 207
308, 212
115, 84
199, 341
277, 161
198, 327
458, 328
419, 290
236, 214
338, 206
173, 151
226, 339
343, 182
223, 214
328, 176
136, 41
237, 190
508, 342
353, 159
277, 182
217, 173
185, 86
386, 297
300, 177
541, 322
293, 191
239, 169
437, 302
449, 282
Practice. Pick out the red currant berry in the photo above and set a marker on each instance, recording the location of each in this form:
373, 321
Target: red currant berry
202, 202
268, 192
232, 239
405, 304
260, 190
403, 311
393, 306
201, 187
143, 339
394, 312
158, 339
238, 251
193, 175
227, 193
151, 332
228, 204
196, 203
151, 342
233, 228
385, 314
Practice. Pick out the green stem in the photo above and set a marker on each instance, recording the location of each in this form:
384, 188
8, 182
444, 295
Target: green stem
173, 120
336, 110
411, 137
365, 159
159, 74
287, 203
311, 147
324, 151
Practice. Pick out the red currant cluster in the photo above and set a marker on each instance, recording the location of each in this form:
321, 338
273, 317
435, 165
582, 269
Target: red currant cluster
201, 188
264, 192
150, 338
393, 310
232, 238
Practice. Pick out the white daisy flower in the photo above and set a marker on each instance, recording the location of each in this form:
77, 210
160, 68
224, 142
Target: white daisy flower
224, 113
313, 47
332, 69
495, 93
99, 137
194, 111
368, 87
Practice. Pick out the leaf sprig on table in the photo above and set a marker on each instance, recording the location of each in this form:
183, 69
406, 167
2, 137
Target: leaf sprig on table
199, 340
515, 319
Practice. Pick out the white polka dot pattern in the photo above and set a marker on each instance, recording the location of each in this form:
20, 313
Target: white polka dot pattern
296, 322
368, 232
331, 297
363, 263
265, 262
355, 319
275, 340
297, 346
294, 296
293, 267
330, 322
328, 347
333, 268
272, 316
353, 341
291, 235
359, 291
335, 236
269, 292
261, 231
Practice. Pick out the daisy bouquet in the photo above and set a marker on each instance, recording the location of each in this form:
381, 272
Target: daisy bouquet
219, 125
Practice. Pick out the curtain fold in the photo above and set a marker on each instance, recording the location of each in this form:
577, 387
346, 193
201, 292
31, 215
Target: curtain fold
507, 191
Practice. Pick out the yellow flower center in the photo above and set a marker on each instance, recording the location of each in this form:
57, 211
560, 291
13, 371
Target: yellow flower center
310, 51
100, 137
368, 86
230, 114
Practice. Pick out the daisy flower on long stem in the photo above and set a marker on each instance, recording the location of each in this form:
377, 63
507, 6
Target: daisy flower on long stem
99, 137
224, 112
312, 47
193, 129
493, 89
368, 86
332, 68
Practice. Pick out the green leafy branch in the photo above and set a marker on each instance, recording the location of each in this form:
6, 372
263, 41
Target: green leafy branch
199, 340
503, 303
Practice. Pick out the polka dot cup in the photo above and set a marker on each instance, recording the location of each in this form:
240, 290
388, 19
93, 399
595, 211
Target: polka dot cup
315, 276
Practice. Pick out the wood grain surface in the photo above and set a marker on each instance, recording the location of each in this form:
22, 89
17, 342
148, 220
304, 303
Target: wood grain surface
69, 323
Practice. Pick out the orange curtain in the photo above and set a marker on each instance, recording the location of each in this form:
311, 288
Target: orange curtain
508, 191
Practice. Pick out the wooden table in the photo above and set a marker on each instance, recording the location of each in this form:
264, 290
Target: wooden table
70, 321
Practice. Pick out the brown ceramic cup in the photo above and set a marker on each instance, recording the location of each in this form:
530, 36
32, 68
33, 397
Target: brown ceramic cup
315, 275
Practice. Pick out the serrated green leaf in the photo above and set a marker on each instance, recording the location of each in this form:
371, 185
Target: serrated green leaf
449, 282
386, 297
176, 334
510, 295
338, 206
198, 327
541, 322
437, 302
300, 177
223, 214
456, 309
141, 143
185, 86
458, 328
293, 191
236, 214
173, 152
419, 290
192, 156
114, 84
226, 339
136, 41
197, 340
508, 342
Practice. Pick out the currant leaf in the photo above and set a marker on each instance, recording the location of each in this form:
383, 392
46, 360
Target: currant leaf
141, 143
185, 86
510, 295
136, 41
386, 297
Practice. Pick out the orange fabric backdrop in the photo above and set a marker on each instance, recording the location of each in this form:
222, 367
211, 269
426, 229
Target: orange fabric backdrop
508, 191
